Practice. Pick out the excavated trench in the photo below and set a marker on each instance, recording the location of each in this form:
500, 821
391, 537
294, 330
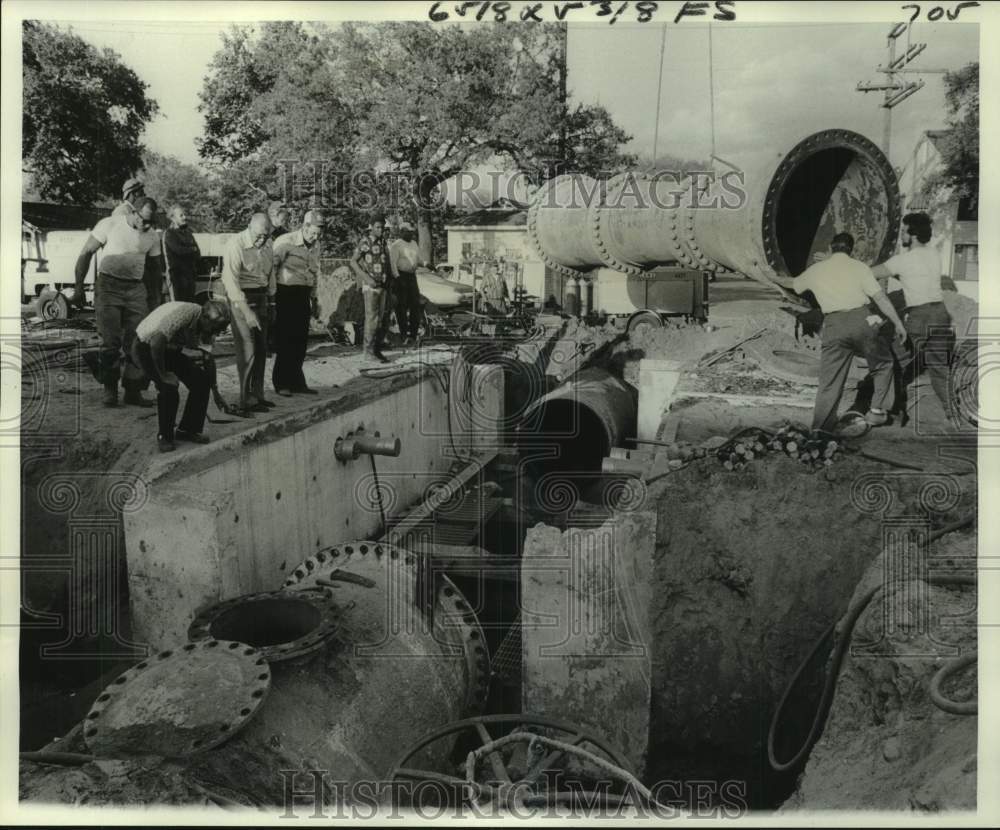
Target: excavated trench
751, 568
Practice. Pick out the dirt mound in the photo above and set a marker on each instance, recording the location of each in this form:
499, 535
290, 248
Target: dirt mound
752, 566
886, 745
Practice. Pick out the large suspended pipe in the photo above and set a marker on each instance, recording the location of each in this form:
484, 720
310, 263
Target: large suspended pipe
760, 219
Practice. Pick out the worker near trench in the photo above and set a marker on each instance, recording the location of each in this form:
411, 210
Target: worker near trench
296, 267
248, 279
928, 324
843, 287
161, 348
404, 257
182, 255
370, 264
130, 249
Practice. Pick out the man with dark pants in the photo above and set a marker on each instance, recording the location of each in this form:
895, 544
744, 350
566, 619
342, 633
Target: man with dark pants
928, 323
158, 347
182, 252
248, 278
370, 265
130, 248
404, 257
843, 287
296, 266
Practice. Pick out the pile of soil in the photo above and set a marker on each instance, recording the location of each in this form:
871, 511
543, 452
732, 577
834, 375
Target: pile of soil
886, 745
752, 566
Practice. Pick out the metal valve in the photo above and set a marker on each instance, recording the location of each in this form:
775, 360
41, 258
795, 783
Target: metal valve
359, 443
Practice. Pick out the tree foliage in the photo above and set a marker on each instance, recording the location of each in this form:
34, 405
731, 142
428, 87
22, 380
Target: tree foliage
171, 181
83, 112
404, 97
959, 148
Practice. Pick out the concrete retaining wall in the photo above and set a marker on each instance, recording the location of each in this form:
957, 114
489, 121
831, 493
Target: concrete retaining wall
236, 516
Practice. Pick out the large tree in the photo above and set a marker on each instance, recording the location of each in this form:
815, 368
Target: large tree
412, 99
434, 100
959, 173
83, 113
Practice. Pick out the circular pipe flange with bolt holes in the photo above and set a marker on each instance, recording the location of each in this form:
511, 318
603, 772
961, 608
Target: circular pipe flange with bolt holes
179, 702
283, 625
384, 572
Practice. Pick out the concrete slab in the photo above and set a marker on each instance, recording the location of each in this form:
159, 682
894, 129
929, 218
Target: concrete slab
657, 381
587, 628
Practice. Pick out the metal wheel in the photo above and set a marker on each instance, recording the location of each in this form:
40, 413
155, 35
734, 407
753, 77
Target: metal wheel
52, 306
512, 759
644, 321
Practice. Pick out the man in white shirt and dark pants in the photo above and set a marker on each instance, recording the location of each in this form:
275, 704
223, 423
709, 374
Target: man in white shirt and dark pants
843, 287
928, 324
404, 257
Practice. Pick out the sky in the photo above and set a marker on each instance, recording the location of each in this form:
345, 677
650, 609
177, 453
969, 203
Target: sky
774, 83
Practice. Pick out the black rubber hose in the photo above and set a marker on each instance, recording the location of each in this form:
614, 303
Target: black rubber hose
965, 707
840, 649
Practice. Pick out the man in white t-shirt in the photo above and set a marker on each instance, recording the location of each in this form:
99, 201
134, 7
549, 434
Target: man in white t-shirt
843, 287
404, 257
928, 324
129, 247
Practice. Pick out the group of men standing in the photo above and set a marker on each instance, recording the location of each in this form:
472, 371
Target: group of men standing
269, 279
911, 309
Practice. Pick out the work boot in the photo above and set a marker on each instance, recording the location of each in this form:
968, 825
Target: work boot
191, 437
165, 444
133, 397
876, 417
111, 394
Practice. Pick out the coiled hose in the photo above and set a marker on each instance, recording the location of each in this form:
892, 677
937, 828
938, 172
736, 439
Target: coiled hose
840, 650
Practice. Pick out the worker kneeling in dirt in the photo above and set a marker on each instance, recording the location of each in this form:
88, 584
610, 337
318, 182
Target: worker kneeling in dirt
843, 287
160, 340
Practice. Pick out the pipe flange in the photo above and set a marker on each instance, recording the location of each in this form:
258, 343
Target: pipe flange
532, 226
807, 147
597, 215
455, 622
318, 605
179, 702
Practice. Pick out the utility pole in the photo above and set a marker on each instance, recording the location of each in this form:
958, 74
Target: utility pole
897, 89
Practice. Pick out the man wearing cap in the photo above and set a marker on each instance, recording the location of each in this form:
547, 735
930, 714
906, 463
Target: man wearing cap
132, 191
158, 347
371, 267
129, 247
248, 279
404, 257
182, 254
843, 287
296, 267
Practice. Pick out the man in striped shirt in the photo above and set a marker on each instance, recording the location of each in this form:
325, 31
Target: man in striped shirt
296, 266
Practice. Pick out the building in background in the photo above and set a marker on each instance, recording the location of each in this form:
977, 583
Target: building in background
499, 232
